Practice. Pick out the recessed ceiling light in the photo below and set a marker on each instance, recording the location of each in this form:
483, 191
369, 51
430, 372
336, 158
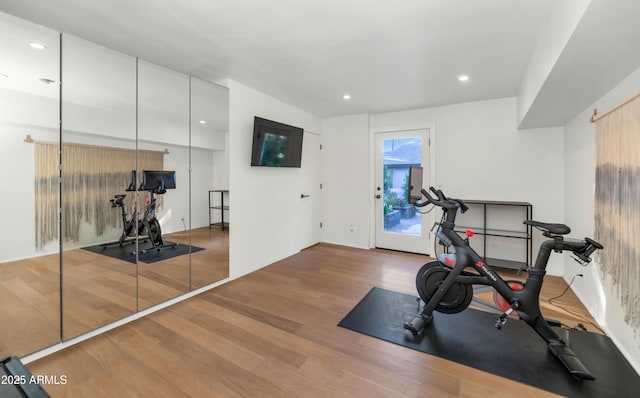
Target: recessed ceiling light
203, 122
37, 46
46, 81
463, 78
346, 97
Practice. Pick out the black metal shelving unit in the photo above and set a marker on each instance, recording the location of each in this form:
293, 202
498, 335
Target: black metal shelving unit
520, 231
222, 207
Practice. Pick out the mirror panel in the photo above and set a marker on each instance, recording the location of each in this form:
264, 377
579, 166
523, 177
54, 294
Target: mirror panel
163, 145
209, 130
98, 154
29, 142
103, 139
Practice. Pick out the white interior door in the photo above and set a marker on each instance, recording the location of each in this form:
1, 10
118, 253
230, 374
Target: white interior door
399, 225
309, 215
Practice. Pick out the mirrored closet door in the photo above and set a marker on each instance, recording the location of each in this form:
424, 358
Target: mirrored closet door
163, 135
209, 181
29, 142
108, 161
99, 219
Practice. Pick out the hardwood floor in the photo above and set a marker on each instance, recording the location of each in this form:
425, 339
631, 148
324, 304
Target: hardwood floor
97, 289
30, 292
273, 333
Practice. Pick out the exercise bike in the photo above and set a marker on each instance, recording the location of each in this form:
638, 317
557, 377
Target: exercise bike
132, 227
448, 288
147, 226
128, 225
150, 224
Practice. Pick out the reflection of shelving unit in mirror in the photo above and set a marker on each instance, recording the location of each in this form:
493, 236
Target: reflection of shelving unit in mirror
215, 205
506, 241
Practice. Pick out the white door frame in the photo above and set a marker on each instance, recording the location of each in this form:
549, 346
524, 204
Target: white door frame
372, 174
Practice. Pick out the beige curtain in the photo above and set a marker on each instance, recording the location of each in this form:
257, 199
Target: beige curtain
46, 193
91, 175
617, 204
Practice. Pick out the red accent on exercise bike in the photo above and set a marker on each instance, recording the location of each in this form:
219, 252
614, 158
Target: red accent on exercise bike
479, 264
503, 304
470, 233
449, 259
148, 201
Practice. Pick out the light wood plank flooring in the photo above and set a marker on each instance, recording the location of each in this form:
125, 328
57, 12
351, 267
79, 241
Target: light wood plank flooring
97, 289
273, 333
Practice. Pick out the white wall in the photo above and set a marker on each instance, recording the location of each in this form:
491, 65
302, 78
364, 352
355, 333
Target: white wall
18, 108
480, 154
202, 175
264, 201
220, 179
17, 200
345, 181
221, 166
579, 158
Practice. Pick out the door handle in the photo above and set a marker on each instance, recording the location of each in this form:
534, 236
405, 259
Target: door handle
302, 196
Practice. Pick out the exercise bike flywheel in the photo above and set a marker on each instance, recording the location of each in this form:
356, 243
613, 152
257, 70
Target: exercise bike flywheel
428, 280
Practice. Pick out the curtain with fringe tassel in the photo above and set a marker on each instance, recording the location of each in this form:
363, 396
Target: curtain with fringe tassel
617, 205
91, 176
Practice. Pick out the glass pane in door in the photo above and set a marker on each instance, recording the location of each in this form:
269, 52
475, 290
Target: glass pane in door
398, 155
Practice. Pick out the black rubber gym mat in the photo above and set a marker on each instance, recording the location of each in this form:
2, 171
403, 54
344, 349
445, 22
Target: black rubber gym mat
125, 252
515, 352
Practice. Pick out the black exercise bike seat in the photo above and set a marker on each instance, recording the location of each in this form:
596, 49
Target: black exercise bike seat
556, 229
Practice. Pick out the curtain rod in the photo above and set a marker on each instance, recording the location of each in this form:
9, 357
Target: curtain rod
595, 117
30, 140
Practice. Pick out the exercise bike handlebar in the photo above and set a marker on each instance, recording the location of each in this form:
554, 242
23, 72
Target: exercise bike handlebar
442, 200
583, 249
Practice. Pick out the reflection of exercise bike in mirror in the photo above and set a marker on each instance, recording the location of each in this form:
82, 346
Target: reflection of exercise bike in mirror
147, 225
156, 183
447, 288
128, 224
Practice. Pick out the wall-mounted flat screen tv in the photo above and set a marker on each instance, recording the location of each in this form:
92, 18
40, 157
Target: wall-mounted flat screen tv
276, 144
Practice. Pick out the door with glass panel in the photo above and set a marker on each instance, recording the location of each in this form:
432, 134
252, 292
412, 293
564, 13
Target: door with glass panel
399, 225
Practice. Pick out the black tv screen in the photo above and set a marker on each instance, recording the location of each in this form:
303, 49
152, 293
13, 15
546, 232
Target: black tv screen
276, 144
155, 179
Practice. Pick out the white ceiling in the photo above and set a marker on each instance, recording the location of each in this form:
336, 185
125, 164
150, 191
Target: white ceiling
387, 55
